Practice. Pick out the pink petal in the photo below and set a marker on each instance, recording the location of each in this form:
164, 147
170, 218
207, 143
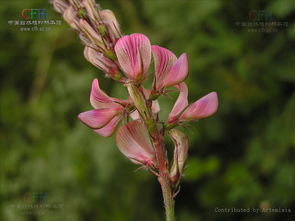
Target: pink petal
134, 142
99, 99
164, 59
109, 128
202, 108
135, 115
155, 107
134, 55
178, 72
98, 118
180, 103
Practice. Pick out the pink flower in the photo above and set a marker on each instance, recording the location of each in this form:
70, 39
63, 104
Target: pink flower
134, 55
107, 114
202, 108
169, 70
134, 142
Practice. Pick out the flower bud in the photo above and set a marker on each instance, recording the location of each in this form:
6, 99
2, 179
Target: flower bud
139, 101
92, 9
90, 33
71, 17
103, 63
60, 5
111, 23
180, 141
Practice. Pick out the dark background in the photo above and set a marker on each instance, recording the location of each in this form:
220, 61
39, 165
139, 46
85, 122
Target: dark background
242, 157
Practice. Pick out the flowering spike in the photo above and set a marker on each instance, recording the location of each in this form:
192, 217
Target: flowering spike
98, 118
202, 108
134, 55
180, 141
178, 72
134, 142
164, 60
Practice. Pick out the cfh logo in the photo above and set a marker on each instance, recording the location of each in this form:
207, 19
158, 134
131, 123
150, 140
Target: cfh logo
35, 197
260, 15
34, 13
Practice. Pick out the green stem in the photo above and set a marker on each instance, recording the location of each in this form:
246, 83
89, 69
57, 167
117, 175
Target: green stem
168, 199
158, 142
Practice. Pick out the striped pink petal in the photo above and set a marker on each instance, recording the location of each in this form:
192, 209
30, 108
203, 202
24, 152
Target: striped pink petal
134, 142
98, 118
180, 103
109, 129
178, 72
164, 60
99, 99
134, 55
202, 108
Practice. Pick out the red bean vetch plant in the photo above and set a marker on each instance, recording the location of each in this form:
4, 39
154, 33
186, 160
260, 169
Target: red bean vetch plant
126, 59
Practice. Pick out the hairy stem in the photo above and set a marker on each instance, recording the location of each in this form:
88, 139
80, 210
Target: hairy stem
158, 143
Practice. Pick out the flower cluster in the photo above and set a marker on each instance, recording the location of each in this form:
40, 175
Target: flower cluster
127, 60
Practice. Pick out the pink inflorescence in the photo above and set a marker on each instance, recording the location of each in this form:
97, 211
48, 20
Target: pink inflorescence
127, 59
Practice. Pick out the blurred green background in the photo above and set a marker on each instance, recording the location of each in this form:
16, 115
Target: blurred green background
242, 157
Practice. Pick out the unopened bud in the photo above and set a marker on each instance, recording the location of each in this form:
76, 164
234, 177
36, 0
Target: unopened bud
140, 104
60, 5
102, 30
82, 13
110, 54
92, 9
90, 33
103, 63
180, 141
109, 19
71, 17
